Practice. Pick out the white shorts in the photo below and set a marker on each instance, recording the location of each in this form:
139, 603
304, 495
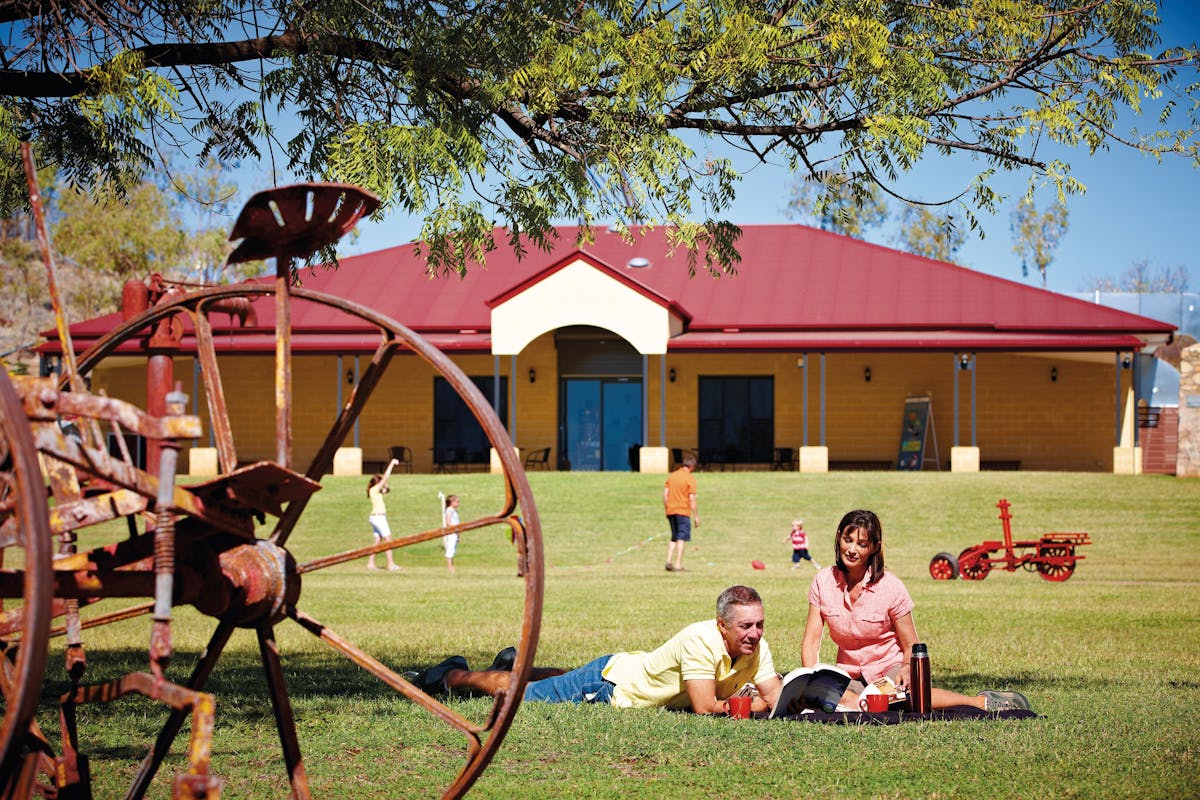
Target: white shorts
450, 543
379, 526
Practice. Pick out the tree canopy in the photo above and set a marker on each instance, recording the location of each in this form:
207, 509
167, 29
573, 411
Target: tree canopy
1036, 234
1143, 278
521, 113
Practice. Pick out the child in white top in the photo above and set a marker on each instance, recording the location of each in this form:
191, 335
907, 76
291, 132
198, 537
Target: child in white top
450, 540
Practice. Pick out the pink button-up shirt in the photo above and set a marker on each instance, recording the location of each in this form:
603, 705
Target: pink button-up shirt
865, 632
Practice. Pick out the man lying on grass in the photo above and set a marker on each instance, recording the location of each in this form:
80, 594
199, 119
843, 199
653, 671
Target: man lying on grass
697, 668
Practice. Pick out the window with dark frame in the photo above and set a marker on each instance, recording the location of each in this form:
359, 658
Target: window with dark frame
458, 438
737, 419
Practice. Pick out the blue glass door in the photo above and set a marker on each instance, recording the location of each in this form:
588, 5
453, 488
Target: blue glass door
601, 420
621, 429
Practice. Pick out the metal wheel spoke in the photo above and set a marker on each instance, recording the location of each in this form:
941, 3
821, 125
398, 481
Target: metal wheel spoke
214, 392
285, 722
322, 462
395, 543
385, 674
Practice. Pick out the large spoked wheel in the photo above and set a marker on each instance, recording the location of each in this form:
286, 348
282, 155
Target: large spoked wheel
25, 549
975, 568
1062, 565
943, 567
271, 557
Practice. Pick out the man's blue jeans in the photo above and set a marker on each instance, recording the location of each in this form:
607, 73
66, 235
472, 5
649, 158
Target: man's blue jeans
585, 684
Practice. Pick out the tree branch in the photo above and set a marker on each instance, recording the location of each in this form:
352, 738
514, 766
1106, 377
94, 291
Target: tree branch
23, 83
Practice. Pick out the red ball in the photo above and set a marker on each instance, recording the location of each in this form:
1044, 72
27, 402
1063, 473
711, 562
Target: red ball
758, 564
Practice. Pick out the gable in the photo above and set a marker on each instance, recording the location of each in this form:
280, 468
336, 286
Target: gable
580, 293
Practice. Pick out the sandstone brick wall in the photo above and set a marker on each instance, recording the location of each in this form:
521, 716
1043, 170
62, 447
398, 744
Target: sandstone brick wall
1187, 464
1022, 415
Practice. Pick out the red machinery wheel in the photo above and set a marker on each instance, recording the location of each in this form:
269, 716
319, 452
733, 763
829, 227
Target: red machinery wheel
943, 567
974, 568
1056, 571
25, 548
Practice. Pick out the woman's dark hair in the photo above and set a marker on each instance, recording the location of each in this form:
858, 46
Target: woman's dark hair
376, 478
867, 522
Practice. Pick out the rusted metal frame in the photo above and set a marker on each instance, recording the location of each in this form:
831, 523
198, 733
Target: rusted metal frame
363, 390
337, 434
179, 698
51, 442
214, 391
119, 433
94, 510
83, 584
384, 673
283, 361
285, 720
107, 344
107, 618
43, 402
395, 543
520, 542
28, 505
198, 783
161, 645
21, 782
60, 317
162, 745
514, 495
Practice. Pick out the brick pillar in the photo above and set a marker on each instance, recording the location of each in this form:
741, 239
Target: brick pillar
1187, 462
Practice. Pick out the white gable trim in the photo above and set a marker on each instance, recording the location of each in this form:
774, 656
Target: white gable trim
580, 294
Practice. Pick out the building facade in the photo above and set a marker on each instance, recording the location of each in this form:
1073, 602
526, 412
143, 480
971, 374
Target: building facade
613, 357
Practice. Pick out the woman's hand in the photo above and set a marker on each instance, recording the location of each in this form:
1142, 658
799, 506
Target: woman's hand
905, 678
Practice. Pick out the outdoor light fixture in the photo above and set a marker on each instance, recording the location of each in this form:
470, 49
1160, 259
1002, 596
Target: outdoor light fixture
867, 374
671, 374
800, 362
1053, 374
1126, 362
964, 362
532, 375
350, 377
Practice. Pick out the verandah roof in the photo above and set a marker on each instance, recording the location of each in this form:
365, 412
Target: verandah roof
796, 288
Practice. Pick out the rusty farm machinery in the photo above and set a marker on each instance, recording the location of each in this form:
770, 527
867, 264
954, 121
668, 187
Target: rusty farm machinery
198, 544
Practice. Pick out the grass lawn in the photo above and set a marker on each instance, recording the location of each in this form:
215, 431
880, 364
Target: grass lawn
1109, 658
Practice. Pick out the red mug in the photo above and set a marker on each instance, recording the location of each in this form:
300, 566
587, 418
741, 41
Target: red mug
739, 707
874, 703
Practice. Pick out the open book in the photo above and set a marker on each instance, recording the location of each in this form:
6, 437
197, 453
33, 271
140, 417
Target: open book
887, 686
819, 688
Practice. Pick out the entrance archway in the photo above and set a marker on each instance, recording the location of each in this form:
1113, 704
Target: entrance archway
600, 400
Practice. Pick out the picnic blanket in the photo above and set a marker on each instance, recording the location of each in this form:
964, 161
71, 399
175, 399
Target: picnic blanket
896, 717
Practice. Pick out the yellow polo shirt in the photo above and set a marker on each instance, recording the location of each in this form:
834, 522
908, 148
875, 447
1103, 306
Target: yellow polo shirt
649, 680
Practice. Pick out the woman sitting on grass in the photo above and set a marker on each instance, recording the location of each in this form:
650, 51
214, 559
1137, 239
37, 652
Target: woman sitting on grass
869, 614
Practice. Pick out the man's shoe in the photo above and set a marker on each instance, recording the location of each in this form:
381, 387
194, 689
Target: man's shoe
1004, 701
433, 680
504, 660
669, 567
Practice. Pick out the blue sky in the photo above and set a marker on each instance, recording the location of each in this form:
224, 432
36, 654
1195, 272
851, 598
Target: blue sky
1134, 209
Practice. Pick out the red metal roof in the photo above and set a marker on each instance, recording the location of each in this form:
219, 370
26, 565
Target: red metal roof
796, 288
